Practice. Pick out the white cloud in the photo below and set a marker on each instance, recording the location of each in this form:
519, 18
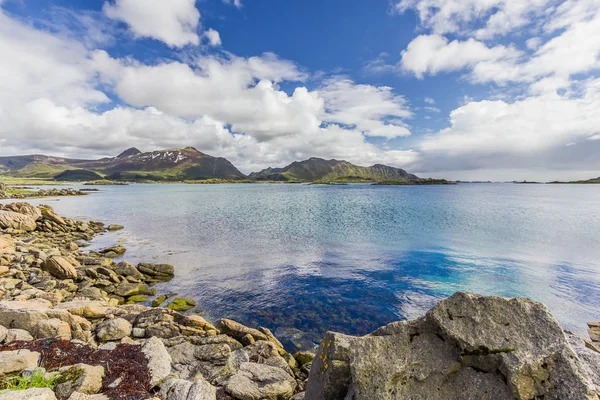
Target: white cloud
236, 3
364, 107
429, 100
174, 22
225, 105
213, 37
432, 54
529, 132
498, 17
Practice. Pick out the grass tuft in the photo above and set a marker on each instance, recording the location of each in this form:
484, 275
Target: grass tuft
35, 380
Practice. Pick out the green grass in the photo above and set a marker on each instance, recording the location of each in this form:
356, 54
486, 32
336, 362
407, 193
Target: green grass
36, 380
18, 191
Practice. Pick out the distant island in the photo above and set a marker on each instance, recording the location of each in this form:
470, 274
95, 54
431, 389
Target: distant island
594, 180
192, 166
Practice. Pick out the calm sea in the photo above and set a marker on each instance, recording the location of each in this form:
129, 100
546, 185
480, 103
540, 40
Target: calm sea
303, 259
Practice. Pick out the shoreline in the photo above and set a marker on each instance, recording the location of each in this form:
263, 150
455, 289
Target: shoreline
61, 305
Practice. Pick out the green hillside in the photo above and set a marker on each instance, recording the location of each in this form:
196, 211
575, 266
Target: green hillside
320, 170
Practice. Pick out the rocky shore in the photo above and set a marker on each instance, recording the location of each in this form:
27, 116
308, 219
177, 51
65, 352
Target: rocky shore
72, 327
5, 193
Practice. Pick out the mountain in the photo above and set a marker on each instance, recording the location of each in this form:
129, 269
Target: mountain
171, 164
318, 169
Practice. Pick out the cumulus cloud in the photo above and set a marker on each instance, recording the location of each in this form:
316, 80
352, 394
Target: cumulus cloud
432, 54
498, 17
213, 37
225, 105
174, 22
365, 107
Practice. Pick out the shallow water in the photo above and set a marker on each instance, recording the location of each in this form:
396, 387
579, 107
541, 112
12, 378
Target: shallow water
302, 259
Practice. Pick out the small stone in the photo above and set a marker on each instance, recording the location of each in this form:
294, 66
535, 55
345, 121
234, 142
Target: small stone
138, 298
181, 304
115, 227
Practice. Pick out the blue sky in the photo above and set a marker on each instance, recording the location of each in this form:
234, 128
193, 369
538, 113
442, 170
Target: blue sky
473, 89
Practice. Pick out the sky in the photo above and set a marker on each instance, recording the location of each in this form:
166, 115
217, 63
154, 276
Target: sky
459, 89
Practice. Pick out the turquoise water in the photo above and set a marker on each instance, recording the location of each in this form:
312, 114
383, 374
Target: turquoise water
302, 259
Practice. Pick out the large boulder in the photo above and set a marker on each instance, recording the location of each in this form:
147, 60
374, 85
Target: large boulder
179, 389
159, 360
239, 331
24, 208
113, 329
60, 267
82, 378
49, 214
466, 347
27, 314
50, 328
258, 381
13, 220
158, 271
17, 361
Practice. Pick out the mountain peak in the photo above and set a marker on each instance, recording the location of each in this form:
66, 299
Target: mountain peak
132, 151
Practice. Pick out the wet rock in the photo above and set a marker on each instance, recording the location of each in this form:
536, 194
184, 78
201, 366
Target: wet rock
51, 328
13, 220
159, 360
258, 381
114, 227
29, 394
158, 271
17, 361
113, 329
181, 304
127, 269
238, 331
131, 289
82, 378
179, 389
60, 268
467, 347
114, 251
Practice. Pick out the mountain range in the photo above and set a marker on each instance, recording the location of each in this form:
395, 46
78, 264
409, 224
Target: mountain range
190, 164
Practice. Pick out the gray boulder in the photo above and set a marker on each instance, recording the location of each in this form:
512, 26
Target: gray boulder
158, 271
113, 329
159, 360
466, 347
179, 389
259, 381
